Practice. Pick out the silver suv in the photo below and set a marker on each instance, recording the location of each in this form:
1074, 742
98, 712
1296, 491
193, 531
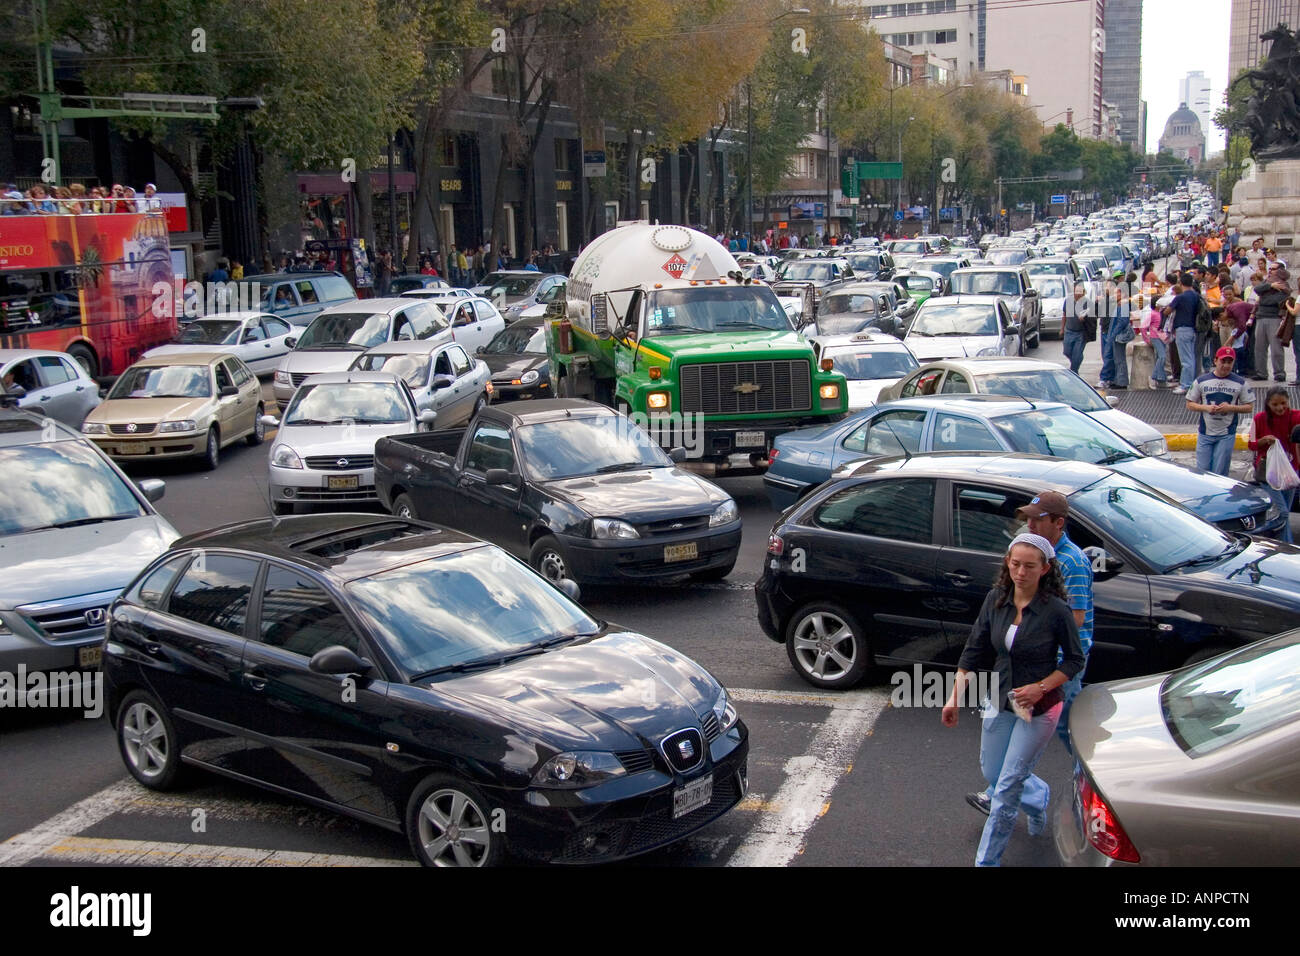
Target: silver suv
74, 531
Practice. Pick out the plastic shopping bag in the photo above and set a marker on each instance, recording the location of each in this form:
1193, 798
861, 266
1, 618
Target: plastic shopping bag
1277, 469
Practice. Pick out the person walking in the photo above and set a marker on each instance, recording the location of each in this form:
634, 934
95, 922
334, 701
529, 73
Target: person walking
1276, 423
1213, 246
1121, 328
1106, 316
1221, 397
1272, 292
1023, 625
1182, 313
1075, 336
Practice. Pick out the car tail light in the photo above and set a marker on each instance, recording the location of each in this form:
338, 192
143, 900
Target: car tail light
775, 545
1100, 825
771, 455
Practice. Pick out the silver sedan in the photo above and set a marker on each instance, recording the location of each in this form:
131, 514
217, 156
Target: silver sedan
54, 383
441, 375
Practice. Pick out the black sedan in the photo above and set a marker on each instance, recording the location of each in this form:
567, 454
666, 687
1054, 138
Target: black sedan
890, 561
420, 680
516, 360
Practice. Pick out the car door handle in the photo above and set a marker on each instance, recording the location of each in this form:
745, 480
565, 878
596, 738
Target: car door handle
957, 577
254, 680
153, 650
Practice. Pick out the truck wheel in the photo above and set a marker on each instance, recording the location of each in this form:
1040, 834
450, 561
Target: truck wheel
548, 561
84, 357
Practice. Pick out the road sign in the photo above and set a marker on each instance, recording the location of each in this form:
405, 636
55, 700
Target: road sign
898, 215
880, 171
1058, 200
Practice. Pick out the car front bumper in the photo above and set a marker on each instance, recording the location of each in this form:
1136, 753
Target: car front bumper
595, 560
152, 447
309, 486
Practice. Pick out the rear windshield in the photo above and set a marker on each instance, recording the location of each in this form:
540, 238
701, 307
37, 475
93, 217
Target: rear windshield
1227, 699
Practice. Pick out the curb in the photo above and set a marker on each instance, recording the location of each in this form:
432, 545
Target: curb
1186, 441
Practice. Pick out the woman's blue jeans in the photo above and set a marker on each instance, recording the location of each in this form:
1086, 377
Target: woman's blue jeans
1284, 501
1158, 366
1009, 750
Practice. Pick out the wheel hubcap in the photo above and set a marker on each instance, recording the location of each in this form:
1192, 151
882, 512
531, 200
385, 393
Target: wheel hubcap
825, 646
454, 830
145, 738
552, 566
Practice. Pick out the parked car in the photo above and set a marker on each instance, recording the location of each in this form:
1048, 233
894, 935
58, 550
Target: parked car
53, 384
481, 693
74, 531
962, 326
517, 362
576, 488
180, 406
993, 423
298, 297
259, 339
1183, 768
891, 560
869, 361
441, 377
324, 451
335, 337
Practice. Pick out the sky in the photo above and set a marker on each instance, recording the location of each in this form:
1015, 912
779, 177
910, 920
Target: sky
1179, 37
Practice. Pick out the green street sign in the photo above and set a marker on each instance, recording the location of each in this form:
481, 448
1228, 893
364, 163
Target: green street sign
849, 180
880, 171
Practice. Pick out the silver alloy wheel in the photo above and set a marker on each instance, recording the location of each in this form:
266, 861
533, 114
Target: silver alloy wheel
144, 737
454, 830
551, 564
818, 641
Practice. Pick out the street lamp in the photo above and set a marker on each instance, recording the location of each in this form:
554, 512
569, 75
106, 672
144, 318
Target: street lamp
749, 128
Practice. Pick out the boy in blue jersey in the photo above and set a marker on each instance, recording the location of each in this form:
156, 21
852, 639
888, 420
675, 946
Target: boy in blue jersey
1221, 397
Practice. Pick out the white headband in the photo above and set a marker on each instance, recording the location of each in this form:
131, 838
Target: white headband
1037, 540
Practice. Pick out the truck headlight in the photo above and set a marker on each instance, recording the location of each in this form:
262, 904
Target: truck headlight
725, 513
658, 401
580, 768
282, 377
529, 377
612, 528
184, 425
282, 456
725, 711
94, 428
829, 392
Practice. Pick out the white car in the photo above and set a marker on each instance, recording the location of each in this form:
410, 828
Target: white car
335, 337
257, 338
324, 451
440, 375
55, 384
474, 320
870, 361
963, 326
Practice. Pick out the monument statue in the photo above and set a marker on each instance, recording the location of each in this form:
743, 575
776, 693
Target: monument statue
1273, 111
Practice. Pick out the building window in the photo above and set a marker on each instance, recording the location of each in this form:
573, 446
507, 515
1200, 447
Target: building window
562, 225
448, 155
562, 154
447, 226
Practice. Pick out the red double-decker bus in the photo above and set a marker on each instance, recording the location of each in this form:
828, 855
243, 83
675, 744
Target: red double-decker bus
85, 285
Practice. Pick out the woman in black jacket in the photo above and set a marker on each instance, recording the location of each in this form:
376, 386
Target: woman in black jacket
1026, 632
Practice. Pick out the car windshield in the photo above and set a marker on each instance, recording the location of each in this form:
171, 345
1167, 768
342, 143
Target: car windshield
917, 283
806, 270
1007, 257
173, 381
871, 363
865, 263
1164, 535
1050, 385
59, 485
844, 323
985, 283
715, 309
1063, 433
342, 330
516, 340
956, 320
944, 269
339, 403
909, 248
1221, 701
842, 302
210, 332
474, 605
1050, 288
587, 446
512, 286
412, 368
1047, 269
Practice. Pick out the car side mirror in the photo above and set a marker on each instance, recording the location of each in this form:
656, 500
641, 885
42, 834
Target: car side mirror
228, 391
338, 659
270, 421
428, 418
1112, 401
103, 392
499, 476
152, 488
442, 381
479, 350
291, 342
1013, 329
677, 454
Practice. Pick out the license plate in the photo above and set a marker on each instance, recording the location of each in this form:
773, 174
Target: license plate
751, 440
133, 448
698, 793
343, 482
90, 656
681, 552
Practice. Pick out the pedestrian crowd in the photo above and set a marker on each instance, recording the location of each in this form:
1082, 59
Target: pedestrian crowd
76, 199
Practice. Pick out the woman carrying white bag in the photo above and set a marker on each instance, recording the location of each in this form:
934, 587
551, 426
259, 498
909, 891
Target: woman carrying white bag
1274, 434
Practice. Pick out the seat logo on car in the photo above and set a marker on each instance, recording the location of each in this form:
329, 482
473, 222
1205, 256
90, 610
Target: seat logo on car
685, 749
95, 617
747, 388
1248, 522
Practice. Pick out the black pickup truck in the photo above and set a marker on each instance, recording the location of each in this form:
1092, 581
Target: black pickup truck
573, 487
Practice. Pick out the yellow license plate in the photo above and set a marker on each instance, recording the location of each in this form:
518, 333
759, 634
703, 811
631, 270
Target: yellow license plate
343, 483
680, 552
90, 656
133, 448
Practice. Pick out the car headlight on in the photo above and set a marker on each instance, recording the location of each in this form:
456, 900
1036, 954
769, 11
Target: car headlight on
831, 391
725, 513
282, 456
658, 401
612, 528
725, 712
580, 768
184, 425
94, 428
282, 377
529, 377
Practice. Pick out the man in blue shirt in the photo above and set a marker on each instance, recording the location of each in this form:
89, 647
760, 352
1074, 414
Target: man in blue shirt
1183, 312
1046, 515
